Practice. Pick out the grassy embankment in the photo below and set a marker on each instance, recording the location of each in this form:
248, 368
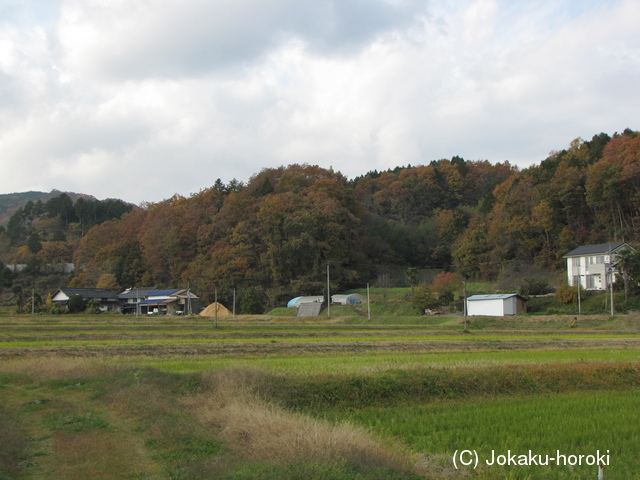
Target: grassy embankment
303, 411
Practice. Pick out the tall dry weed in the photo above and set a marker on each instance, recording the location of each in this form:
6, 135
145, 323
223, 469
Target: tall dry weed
256, 429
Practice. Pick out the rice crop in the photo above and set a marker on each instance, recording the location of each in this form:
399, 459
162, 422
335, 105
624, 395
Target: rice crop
123, 340
380, 362
570, 424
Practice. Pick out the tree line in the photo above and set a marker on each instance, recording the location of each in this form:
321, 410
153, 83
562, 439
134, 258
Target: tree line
274, 235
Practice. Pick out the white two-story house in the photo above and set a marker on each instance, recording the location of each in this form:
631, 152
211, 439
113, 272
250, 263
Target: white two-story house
594, 266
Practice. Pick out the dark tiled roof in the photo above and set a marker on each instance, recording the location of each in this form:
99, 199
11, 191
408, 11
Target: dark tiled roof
90, 293
600, 249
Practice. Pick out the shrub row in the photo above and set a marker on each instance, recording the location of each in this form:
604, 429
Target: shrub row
318, 392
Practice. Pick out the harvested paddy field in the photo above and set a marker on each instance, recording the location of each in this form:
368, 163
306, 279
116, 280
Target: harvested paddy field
268, 397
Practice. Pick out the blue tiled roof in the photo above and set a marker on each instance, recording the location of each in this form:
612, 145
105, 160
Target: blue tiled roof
163, 293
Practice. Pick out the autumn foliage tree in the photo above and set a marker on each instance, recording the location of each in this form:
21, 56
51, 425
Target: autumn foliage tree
445, 285
278, 232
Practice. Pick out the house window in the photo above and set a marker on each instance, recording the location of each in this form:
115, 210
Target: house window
576, 280
591, 281
600, 259
576, 261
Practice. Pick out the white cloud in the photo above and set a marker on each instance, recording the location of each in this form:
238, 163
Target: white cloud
140, 100
122, 39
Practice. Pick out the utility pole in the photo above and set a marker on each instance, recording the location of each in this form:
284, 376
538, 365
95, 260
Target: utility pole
611, 278
234, 303
216, 300
579, 282
368, 304
611, 289
188, 298
328, 295
464, 307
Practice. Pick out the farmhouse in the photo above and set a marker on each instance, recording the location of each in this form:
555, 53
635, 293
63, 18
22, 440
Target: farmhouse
496, 305
109, 301
131, 297
593, 267
170, 302
150, 300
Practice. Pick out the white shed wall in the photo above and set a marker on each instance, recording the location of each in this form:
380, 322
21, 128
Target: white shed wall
485, 307
510, 306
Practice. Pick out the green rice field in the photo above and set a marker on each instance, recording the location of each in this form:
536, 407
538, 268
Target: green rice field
271, 397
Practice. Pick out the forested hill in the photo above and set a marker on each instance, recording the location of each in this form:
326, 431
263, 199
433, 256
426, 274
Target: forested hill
277, 233
11, 202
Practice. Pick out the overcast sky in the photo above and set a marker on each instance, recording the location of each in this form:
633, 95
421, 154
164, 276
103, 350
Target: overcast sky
143, 99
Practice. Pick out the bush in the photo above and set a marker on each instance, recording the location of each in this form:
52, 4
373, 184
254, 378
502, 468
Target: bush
534, 286
56, 309
422, 298
93, 306
252, 301
77, 304
568, 294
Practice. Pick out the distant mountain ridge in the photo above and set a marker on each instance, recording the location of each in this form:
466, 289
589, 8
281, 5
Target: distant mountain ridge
10, 202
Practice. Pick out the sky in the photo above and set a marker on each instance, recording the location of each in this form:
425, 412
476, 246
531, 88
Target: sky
141, 100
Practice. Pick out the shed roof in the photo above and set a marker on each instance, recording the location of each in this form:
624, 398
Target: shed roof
294, 302
500, 296
599, 249
346, 295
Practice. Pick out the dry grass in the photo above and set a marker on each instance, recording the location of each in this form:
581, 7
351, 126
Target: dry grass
97, 455
258, 430
14, 446
60, 368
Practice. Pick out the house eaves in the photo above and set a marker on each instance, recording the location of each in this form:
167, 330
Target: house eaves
599, 249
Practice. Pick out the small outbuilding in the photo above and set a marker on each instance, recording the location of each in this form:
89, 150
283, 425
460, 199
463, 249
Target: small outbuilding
351, 299
496, 305
296, 302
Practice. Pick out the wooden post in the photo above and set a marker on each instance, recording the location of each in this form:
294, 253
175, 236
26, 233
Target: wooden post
368, 304
600, 472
